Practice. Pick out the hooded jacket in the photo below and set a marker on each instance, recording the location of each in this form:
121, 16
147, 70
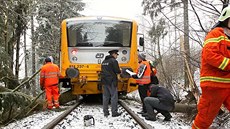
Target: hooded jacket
109, 70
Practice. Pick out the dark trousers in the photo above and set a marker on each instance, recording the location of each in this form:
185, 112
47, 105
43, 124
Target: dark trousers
142, 89
110, 93
152, 103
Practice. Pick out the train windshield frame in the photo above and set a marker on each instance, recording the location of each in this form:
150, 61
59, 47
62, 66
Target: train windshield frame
99, 33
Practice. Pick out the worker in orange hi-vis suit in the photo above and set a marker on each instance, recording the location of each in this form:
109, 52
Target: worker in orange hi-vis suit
215, 72
49, 77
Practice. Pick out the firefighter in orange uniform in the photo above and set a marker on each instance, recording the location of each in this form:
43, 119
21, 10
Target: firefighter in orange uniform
215, 72
49, 77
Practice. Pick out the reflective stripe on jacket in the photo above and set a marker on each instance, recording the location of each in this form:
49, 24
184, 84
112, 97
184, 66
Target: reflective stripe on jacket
49, 75
145, 78
215, 67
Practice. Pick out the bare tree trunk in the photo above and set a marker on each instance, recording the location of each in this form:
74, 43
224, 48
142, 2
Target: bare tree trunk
186, 43
189, 75
17, 54
184, 107
25, 52
20, 26
8, 50
28, 87
8, 41
6, 31
161, 63
33, 55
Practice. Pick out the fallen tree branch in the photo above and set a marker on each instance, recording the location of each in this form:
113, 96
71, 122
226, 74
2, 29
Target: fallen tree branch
25, 111
26, 80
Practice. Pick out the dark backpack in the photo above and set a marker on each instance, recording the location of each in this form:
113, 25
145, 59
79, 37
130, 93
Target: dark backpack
154, 79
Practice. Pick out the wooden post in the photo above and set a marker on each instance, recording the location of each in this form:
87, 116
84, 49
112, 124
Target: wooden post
192, 86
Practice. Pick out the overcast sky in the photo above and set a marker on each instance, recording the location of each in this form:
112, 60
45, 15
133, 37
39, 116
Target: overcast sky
131, 9
120, 8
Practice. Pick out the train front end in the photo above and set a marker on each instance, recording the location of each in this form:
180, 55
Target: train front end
85, 41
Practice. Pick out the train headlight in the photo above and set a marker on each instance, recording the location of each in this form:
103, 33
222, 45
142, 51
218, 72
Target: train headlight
123, 59
124, 52
72, 72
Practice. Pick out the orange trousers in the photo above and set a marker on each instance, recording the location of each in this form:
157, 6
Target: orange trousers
52, 96
209, 106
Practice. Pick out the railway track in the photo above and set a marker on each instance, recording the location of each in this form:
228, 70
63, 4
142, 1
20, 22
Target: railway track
58, 119
140, 121
137, 122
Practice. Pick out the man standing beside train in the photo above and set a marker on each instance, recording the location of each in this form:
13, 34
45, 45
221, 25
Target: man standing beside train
49, 77
143, 78
109, 71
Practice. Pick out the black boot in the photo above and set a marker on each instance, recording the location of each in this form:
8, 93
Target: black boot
144, 114
167, 117
116, 114
151, 117
166, 114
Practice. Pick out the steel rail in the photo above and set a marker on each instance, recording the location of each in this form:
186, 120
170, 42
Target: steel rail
142, 123
58, 119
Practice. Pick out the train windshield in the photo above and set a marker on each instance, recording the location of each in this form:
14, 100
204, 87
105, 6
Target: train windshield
99, 33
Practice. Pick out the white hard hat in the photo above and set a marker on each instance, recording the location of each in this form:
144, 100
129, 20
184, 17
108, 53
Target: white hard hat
225, 14
51, 58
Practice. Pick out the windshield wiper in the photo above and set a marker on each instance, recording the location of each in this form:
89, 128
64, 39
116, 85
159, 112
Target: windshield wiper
84, 44
112, 43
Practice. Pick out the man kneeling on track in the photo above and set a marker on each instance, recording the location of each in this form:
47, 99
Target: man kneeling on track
161, 100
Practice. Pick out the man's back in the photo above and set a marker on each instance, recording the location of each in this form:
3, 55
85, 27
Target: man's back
109, 70
49, 74
162, 94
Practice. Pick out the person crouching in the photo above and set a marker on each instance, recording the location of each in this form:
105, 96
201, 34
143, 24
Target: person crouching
161, 100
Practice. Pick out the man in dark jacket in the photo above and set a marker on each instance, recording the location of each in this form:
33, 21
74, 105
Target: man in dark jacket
109, 71
160, 100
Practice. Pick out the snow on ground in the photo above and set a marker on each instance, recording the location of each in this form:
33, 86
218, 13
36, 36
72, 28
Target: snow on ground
35, 121
75, 119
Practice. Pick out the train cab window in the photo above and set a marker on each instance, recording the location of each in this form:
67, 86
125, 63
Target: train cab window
99, 33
